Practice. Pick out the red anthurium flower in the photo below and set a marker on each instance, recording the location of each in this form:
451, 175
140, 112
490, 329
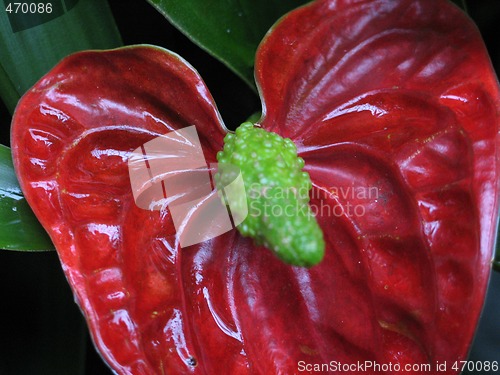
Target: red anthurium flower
392, 104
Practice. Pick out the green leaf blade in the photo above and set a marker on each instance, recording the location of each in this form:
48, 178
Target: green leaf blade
231, 30
19, 228
26, 55
461, 3
496, 260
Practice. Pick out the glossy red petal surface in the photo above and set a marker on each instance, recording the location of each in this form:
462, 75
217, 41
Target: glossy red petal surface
394, 107
72, 136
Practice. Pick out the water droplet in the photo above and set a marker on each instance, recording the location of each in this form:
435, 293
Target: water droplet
191, 361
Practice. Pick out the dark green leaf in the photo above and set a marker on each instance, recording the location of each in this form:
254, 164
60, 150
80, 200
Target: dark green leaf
31, 44
230, 30
461, 3
19, 228
8, 90
496, 261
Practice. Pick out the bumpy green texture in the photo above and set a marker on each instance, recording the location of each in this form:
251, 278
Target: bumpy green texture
277, 194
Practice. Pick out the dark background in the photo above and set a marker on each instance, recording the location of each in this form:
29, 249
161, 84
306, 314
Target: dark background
32, 284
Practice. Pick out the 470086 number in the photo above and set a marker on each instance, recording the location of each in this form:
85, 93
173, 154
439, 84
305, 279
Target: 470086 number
28, 8
476, 366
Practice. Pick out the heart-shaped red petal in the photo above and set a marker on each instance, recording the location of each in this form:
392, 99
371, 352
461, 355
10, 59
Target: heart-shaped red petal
72, 136
394, 107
